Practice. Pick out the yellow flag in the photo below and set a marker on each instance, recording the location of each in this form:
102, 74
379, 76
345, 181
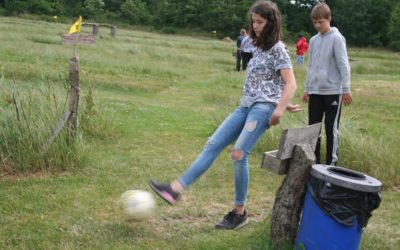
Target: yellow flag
76, 27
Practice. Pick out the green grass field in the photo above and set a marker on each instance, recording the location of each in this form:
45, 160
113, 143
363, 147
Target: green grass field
156, 100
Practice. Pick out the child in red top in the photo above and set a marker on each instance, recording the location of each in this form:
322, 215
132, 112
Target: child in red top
301, 49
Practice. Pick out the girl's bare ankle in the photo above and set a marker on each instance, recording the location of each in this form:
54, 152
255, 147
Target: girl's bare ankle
177, 187
239, 209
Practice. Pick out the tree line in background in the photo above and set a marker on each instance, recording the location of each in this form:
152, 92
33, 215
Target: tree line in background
362, 22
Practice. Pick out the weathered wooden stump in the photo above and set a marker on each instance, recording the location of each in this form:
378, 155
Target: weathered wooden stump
289, 198
294, 157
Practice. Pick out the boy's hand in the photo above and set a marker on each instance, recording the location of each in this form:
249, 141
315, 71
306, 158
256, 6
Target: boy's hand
305, 97
347, 99
293, 108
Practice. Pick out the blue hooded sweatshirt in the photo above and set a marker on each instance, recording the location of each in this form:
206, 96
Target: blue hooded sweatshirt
328, 66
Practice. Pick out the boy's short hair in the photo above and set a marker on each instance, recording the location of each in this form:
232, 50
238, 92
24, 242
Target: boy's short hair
321, 10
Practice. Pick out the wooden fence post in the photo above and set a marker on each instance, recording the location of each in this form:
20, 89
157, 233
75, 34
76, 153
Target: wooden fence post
71, 115
95, 29
73, 95
289, 197
113, 30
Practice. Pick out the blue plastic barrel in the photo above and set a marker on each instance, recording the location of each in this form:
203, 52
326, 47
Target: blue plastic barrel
317, 230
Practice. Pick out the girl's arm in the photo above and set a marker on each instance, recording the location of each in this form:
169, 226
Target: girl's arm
287, 95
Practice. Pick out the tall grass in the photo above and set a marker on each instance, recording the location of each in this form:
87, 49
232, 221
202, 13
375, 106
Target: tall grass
28, 117
26, 122
93, 123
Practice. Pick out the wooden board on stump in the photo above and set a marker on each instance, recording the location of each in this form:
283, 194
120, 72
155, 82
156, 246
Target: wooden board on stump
277, 161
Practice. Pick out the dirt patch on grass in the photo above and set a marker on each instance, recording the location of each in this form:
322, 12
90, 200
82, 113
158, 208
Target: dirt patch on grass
12, 176
377, 89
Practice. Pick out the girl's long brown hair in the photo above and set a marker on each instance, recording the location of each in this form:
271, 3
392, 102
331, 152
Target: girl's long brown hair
272, 31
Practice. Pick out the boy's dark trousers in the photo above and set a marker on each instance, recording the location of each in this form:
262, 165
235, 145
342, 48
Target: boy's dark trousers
245, 59
330, 107
238, 59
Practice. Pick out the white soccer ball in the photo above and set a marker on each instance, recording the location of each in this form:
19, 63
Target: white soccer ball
136, 205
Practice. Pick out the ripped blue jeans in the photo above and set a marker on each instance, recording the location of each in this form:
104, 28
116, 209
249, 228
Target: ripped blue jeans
246, 126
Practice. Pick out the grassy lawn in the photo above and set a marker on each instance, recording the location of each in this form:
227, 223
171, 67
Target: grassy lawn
156, 99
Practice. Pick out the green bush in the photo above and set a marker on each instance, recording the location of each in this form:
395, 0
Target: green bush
135, 12
15, 6
394, 29
93, 8
41, 7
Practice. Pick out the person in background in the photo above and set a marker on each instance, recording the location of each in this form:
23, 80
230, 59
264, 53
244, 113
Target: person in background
268, 88
246, 49
239, 40
327, 83
301, 49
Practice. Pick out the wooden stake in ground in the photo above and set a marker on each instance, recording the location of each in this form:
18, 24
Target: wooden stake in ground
71, 115
73, 95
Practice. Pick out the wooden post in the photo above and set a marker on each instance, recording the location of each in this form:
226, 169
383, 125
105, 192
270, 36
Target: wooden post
73, 95
113, 30
290, 197
95, 29
71, 115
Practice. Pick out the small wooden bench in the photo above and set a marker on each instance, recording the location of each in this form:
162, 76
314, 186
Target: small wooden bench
96, 27
113, 29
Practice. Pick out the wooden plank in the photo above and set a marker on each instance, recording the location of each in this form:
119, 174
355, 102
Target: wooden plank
273, 164
56, 130
77, 38
291, 137
277, 161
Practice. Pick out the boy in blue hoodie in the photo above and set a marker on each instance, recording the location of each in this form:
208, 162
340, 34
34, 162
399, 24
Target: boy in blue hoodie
327, 84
